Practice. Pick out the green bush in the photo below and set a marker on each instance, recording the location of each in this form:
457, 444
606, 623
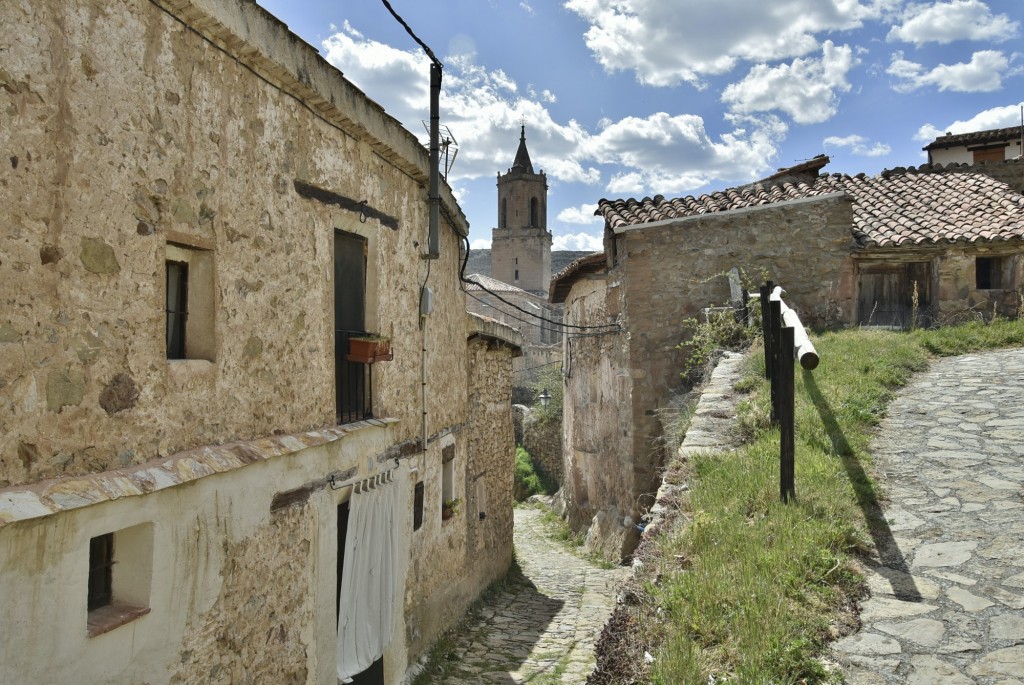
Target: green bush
527, 481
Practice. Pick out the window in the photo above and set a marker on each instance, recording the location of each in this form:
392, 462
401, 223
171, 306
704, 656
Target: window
177, 308
533, 212
189, 303
988, 273
447, 475
504, 213
120, 573
101, 563
353, 382
417, 506
517, 274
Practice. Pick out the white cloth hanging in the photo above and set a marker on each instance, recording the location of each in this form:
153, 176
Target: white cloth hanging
368, 590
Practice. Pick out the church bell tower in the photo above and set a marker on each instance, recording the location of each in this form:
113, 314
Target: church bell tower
521, 244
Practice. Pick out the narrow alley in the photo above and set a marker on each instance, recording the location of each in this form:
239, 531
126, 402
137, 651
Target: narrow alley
541, 631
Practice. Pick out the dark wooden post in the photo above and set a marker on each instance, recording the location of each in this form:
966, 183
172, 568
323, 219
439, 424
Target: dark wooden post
786, 411
775, 324
766, 291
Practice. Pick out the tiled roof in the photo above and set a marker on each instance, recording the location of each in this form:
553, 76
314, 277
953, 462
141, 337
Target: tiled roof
561, 283
995, 135
899, 207
492, 284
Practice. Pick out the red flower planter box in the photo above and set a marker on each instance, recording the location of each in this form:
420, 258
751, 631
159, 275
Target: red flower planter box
369, 350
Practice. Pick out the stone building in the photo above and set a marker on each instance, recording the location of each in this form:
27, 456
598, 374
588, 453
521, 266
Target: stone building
908, 246
516, 292
201, 479
521, 243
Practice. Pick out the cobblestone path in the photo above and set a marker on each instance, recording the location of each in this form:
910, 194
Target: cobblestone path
947, 597
543, 631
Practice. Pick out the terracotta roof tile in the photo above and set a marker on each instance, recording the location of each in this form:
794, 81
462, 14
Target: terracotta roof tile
899, 207
994, 135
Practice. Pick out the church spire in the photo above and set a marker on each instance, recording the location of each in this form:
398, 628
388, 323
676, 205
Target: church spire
522, 163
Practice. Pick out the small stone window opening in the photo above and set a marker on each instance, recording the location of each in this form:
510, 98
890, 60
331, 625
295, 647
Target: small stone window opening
517, 274
189, 303
101, 565
447, 474
177, 308
120, 574
988, 273
417, 506
533, 212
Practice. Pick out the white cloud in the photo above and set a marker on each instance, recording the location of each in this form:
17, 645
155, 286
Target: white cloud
480, 244
858, 145
945, 22
526, 7
982, 74
996, 117
584, 214
665, 44
661, 153
669, 154
805, 89
578, 242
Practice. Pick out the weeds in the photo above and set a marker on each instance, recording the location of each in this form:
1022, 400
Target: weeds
766, 586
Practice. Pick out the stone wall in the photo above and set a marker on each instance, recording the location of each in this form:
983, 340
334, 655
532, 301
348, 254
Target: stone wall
146, 132
663, 275
669, 273
132, 164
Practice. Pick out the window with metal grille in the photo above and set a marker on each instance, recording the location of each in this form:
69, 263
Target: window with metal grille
101, 565
177, 308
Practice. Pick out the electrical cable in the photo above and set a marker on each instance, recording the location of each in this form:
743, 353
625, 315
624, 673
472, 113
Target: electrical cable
408, 29
609, 327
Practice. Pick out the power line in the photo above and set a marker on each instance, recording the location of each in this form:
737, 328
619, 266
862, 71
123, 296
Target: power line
462, 277
408, 29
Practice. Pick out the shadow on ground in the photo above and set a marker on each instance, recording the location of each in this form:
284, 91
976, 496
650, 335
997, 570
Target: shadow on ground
893, 566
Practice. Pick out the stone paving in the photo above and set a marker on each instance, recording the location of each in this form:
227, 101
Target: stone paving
947, 596
544, 631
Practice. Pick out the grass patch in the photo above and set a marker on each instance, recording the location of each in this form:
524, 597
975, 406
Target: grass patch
750, 590
528, 479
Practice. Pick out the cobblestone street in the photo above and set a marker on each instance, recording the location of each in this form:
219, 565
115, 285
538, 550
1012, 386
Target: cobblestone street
543, 631
947, 601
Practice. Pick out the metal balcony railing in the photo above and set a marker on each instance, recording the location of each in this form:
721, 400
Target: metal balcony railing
353, 382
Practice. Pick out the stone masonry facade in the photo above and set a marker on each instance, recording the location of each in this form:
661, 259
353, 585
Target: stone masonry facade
200, 132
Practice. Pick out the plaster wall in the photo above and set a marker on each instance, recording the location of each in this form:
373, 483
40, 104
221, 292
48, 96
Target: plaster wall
238, 592
962, 155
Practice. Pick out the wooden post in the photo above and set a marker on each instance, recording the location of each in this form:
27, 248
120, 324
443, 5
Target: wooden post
766, 291
778, 352
786, 411
805, 351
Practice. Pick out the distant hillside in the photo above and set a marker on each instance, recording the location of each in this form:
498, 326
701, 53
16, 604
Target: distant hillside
480, 260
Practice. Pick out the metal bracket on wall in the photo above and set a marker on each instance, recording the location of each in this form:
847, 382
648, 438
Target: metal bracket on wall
327, 197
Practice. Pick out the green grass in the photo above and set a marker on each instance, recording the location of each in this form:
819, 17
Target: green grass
749, 591
528, 480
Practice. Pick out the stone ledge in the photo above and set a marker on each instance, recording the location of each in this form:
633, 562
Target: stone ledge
106, 618
25, 502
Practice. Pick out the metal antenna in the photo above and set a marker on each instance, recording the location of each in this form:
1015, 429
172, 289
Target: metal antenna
449, 147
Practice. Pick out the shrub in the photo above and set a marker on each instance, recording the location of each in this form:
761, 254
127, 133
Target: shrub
527, 481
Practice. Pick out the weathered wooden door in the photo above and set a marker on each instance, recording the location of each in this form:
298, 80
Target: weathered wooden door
886, 294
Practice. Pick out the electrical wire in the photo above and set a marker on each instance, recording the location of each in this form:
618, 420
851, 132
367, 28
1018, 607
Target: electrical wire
609, 327
408, 29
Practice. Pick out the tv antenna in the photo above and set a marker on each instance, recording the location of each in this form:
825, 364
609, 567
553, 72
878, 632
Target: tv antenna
449, 147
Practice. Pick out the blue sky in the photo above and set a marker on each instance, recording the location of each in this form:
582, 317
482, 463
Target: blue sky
633, 98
